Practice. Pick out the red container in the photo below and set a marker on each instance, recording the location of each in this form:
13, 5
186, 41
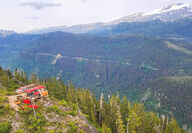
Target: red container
36, 93
33, 106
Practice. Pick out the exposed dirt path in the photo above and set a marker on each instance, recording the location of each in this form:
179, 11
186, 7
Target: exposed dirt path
12, 100
58, 56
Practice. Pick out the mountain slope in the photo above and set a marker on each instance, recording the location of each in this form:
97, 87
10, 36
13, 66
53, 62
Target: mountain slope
180, 29
123, 63
173, 94
104, 62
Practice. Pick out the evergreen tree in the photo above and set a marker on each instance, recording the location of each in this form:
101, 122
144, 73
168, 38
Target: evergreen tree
105, 129
173, 127
124, 109
119, 122
101, 109
133, 120
33, 78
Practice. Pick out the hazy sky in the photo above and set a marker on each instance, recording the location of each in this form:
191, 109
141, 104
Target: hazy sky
24, 15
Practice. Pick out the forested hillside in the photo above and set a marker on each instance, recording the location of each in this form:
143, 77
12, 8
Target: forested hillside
172, 96
69, 107
120, 63
180, 29
104, 62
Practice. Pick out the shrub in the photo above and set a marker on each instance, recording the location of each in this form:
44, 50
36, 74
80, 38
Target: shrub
36, 124
54, 108
73, 128
4, 130
52, 131
4, 109
63, 103
5, 127
19, 131
72, 113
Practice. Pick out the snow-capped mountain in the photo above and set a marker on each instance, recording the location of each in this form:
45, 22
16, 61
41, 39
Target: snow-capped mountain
170, 13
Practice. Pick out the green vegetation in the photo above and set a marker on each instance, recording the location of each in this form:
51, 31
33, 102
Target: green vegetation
100, 64
72, 128
114, 115
174, 95
5, 127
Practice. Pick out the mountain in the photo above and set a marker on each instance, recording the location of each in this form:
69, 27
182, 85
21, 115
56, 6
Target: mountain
4, 33
166, 14
180, 29
123, 63
98, 62
170, 13
103, 63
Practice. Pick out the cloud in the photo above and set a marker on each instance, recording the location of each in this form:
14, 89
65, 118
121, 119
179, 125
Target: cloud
41, 5
31, 17
84, 0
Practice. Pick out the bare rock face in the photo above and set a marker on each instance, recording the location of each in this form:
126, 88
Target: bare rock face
79, 120
82, 123
15, 126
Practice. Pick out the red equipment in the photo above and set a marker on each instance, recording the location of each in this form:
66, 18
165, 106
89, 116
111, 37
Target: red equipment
36, 93
27, 86
22, 89
33, 106
35, 88
26, 101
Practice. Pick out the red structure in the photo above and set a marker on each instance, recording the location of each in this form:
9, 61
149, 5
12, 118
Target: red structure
30, 94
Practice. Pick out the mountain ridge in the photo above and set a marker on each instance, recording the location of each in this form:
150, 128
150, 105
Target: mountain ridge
170, 13
4, 33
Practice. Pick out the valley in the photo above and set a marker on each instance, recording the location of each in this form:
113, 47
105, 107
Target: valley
146, 57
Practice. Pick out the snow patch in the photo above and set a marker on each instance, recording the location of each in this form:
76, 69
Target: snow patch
153, 12
171, 8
